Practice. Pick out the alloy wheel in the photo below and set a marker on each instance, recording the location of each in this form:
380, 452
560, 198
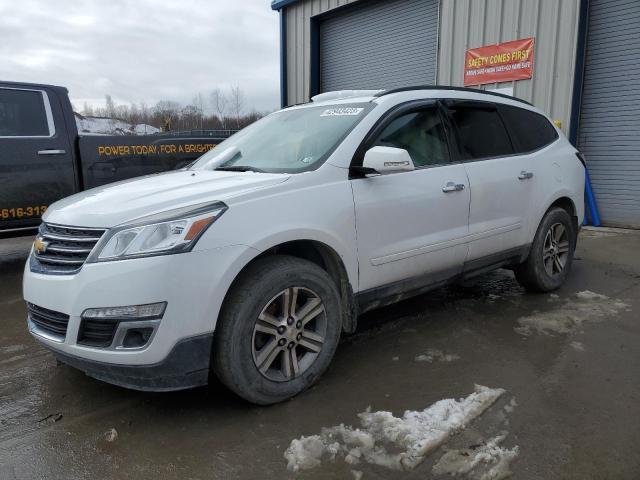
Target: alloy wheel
289, 334
555, 251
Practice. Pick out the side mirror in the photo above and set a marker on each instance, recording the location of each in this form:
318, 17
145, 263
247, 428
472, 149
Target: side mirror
383, 160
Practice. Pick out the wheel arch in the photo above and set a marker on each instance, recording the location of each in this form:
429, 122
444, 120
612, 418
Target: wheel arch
321, 254
566, 203
563, 199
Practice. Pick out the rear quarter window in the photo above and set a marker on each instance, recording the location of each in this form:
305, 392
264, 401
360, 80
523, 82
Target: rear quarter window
530, 131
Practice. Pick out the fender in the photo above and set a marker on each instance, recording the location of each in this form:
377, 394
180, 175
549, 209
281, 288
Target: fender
347, 254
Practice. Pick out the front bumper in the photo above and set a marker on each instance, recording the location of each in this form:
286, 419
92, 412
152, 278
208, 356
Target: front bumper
193, 285
186, 366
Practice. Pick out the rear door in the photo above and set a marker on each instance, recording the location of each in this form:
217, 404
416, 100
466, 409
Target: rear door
412, 226
501, 183
36, 163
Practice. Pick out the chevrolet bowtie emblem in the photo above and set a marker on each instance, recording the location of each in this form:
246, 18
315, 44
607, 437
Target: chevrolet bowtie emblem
40, 246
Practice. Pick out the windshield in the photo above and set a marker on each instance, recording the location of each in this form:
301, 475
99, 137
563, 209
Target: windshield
289, 141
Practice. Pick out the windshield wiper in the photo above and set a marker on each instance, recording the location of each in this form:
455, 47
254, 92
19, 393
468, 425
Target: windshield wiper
240, 168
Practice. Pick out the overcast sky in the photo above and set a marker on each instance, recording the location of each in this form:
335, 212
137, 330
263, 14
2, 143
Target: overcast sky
143, 50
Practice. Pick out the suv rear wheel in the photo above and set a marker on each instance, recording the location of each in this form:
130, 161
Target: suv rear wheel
551, 253
278, 330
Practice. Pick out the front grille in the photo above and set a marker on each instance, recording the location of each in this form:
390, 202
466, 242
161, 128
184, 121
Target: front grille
48, 321
97, 333
65, 248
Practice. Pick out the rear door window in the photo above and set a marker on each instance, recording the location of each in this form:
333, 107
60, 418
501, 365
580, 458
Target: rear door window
530, 130
23, 113
421, 133
481, 132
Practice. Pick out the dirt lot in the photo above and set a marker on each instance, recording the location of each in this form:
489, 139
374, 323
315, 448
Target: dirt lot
569, 364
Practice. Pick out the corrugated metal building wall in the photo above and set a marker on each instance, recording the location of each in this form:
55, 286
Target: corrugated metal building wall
609, 133
298, 54
554, 24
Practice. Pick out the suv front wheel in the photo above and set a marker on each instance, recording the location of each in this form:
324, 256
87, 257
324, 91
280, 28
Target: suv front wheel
278, 330
551, 254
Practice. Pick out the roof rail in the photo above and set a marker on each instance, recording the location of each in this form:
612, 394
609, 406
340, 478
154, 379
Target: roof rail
340, 94
447, 87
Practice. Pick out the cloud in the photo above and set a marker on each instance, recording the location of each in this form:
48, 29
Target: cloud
143, 50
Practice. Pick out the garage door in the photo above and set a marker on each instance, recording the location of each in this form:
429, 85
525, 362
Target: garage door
386, 44
609, 132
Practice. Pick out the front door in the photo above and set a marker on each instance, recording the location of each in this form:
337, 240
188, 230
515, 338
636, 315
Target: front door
412, 226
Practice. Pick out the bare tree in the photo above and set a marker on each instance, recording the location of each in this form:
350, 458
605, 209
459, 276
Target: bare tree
219, 103
168, 113
237, 103
198, 102
190, 117
87, 110
110, 106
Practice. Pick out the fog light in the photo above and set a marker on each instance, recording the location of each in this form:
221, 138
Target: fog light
149, 311
137, 337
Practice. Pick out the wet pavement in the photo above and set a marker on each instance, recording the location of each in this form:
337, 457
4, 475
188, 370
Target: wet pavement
575, 382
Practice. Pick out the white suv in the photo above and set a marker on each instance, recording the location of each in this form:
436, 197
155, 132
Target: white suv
251, 263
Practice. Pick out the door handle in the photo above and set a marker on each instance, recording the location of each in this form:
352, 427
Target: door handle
51, 152
525, 175
453, 187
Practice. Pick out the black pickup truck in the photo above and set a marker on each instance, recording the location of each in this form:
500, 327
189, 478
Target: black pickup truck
43, 159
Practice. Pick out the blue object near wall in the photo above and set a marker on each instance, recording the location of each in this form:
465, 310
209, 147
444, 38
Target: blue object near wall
591, 202
576, 103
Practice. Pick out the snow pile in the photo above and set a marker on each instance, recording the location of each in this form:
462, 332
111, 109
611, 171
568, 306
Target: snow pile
111, 126
411, 437
587, 306
437, 355
482, 462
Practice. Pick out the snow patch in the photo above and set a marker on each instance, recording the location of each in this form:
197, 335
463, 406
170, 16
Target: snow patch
111, 126
437, 355
481, 462
570, 315
579, 346
111, 435
510, 407
411, 437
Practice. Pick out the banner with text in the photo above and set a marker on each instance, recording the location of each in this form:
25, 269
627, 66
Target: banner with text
501, 62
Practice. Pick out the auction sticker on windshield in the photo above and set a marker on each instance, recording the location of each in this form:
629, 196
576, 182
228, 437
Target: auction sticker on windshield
337, 112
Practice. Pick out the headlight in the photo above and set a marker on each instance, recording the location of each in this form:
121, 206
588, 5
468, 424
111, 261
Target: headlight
175, 231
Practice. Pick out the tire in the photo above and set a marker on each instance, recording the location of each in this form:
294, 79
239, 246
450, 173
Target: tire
242, 342
535, 273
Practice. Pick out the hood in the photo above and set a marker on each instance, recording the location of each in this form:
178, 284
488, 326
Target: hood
121, 202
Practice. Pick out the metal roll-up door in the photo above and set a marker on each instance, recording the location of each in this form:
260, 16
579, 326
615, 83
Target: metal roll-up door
609, 133
386, 44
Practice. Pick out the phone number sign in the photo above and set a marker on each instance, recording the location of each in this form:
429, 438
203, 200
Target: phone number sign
502, 62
